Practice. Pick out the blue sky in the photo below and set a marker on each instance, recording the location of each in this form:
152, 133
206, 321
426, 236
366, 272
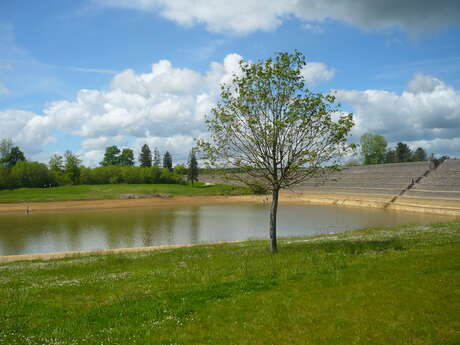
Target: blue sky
64, 84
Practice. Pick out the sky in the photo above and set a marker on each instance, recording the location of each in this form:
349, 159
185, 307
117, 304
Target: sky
84, 75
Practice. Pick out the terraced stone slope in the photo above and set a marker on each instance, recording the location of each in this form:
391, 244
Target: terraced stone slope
384, 179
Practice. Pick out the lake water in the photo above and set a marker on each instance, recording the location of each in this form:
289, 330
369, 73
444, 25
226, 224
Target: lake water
102, 229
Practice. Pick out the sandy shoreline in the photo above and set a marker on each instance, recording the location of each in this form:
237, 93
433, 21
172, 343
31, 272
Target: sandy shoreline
433, 206
125, 203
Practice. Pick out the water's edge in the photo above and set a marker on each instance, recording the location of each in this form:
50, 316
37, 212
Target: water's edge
61, 255
429, 206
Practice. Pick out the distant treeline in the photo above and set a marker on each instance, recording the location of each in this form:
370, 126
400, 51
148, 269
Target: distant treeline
374, 151
117, 167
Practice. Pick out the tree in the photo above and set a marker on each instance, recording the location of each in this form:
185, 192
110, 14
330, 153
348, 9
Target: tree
56, 163
419, 155
403, 152
180, 170
390, 157
72, 166
167, 161
274, 131
127, 157
192, 168
5, 147
145, 157
373, 147
15, 155
31, 174
111, 156
156, 157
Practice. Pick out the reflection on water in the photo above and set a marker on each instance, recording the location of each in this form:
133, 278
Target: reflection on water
101, 229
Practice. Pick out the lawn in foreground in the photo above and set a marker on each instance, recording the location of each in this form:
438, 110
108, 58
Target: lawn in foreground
113, 191
398, 285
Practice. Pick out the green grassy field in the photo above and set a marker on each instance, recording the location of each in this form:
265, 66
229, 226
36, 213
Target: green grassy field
397, 285
113, 191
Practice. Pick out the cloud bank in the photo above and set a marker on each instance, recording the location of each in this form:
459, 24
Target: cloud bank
242, 17
166, 107
426, 113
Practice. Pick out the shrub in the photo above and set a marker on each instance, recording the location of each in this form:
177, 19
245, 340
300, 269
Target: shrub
6, 182
31, 174
257, 188
167, 176
131, 175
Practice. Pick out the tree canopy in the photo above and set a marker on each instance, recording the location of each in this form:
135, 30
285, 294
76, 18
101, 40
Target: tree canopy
167, 161
373, 148
419, 155
145, 157
5, 147
127, 157
156, 157
13, 156
111, 156
192, 173
72, 166
403, 152
273, 130
56, 163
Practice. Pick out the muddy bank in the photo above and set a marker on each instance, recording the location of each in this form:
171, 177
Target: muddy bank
125, 203
432, 206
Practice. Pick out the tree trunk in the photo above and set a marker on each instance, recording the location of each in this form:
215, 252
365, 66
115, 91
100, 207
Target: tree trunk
273, 212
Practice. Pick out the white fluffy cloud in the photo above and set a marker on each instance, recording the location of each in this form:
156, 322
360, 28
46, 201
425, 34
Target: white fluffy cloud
158, 109
26, 128
246, 16
317, 72
427, 112
164, 107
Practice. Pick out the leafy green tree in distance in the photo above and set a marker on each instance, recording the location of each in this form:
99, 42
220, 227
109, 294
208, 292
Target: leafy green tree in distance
31, 174
403, 152
373, 147
180, 170
193, 168
127, 157
5, 147
56, 163
15, 155
419, 155
111, 156
390, 156
273, 130
72, 166
156, 157
145, 157
167, 161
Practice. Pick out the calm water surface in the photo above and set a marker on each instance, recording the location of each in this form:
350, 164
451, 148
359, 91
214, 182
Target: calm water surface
63, 231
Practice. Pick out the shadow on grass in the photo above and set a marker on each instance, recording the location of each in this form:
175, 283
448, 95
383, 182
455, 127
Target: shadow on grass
173, 305
354, 247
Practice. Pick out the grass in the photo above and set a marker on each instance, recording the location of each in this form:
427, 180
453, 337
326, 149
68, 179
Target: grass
113, 191
398, 285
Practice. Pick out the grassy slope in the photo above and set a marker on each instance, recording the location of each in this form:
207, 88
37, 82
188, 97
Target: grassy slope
112, 191
396, 285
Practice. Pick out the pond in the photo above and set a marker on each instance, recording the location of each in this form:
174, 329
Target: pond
118, 228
